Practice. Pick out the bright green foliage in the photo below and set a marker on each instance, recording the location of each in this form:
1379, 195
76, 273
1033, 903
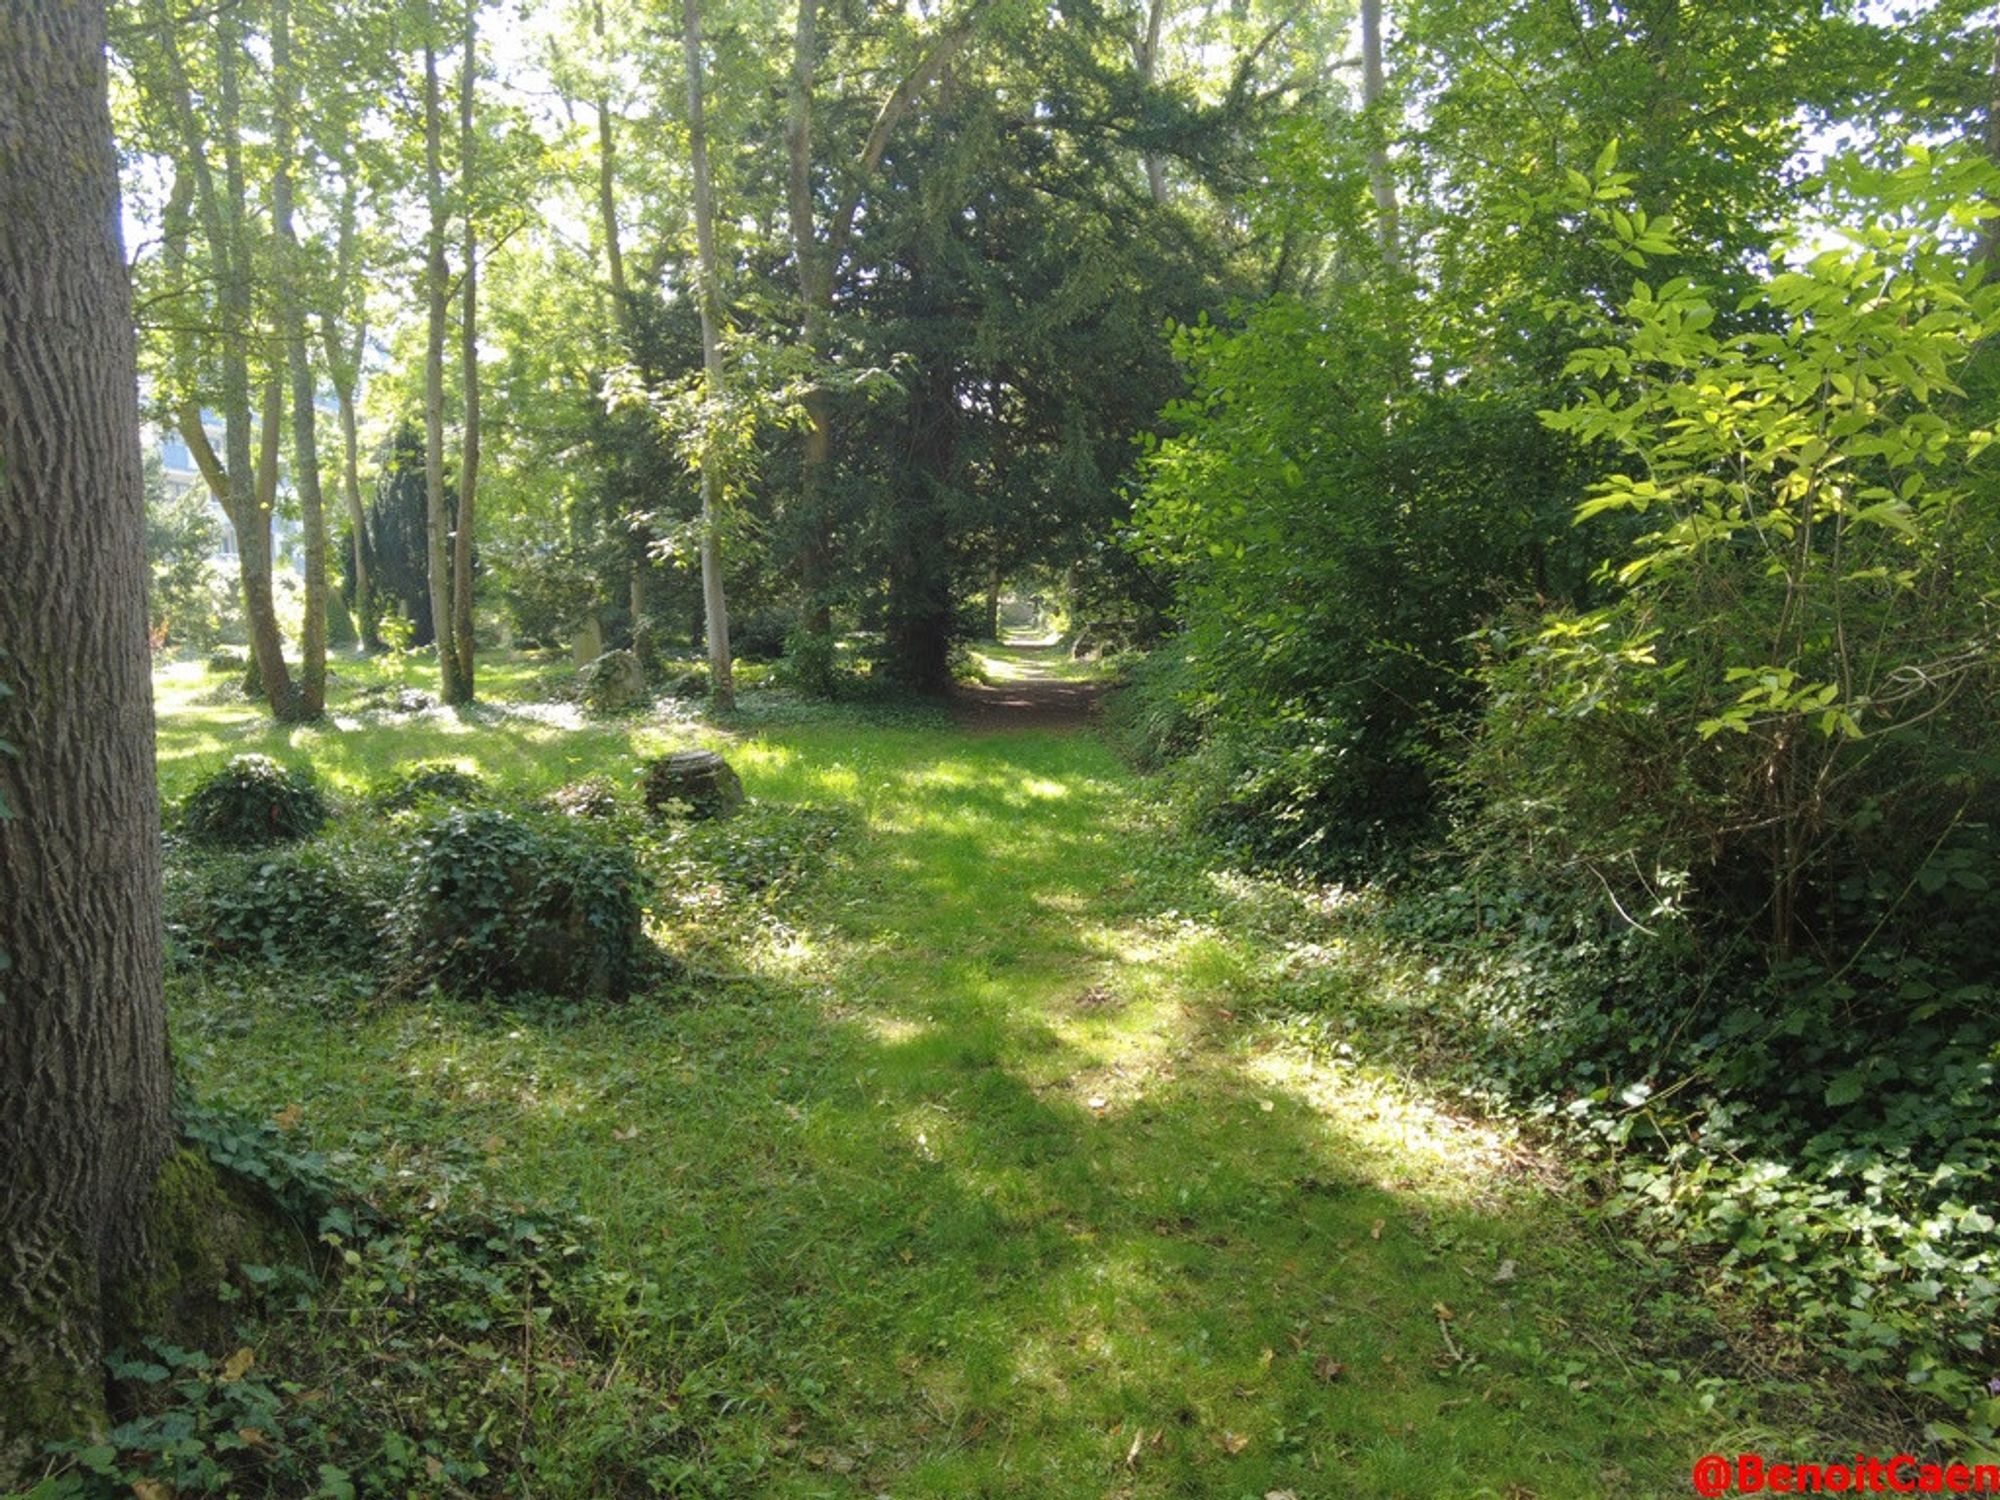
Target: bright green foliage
185, 607
1335, 538
1794, 679
253, 800
500, 1316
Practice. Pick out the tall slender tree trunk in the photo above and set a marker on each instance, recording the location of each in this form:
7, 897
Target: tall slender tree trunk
816, 297
249, 512
292, 318
715, 608
1381, 183
640, 550
468, 473
344, 367
224, 212
436, 504
85, 1082
607, 192
1149, 68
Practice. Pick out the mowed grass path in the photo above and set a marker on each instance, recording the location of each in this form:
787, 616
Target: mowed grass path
983, 1167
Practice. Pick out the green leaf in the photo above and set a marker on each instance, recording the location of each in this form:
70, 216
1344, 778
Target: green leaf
1846, 1088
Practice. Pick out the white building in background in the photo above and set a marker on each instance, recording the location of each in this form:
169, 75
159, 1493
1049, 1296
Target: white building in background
177, 468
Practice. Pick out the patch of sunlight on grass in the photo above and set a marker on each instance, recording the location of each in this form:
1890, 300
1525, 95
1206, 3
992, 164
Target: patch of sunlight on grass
896, 1030
1418, 1144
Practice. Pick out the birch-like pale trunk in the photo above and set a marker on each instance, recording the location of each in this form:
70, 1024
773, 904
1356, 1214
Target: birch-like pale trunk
715, 607
292, 323
436, 295
468, 471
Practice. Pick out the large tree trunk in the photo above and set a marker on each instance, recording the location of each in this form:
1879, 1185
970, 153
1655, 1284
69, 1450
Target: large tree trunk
437, 510
85, 1084
292, 319
715, 608
468, 472
919, 625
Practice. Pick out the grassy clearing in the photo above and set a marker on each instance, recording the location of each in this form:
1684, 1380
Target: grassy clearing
983, 1164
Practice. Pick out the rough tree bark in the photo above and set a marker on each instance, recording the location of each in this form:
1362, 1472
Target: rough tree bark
715, 608
85, 1084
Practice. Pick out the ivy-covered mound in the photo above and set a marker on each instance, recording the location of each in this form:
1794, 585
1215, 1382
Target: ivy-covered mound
284, 906
429, 781
505, 904
253, 800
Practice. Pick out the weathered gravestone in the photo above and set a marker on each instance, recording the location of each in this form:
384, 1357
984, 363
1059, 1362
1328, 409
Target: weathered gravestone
699, 780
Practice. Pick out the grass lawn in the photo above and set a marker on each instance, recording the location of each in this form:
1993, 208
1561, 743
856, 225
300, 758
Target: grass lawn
983, 1162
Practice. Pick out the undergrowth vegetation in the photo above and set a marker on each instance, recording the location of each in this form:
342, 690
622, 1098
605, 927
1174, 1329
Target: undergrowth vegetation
1681, 815
431, 1336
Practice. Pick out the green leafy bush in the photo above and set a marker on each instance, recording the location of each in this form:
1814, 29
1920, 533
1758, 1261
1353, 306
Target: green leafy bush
1795, 679
1158, 713
811, 664
503, 903
760, 635
253, 800
1333, 544
1823, 1136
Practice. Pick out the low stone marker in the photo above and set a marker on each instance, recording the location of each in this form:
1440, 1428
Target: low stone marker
700, 780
